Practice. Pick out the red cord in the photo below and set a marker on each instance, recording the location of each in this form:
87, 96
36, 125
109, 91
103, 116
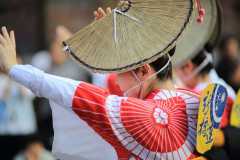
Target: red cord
201, 12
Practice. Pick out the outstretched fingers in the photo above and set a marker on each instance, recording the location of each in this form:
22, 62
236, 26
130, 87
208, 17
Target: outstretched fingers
5, 38
96, 15
2, 40
12, 37
7, 50
5, 34
100, 13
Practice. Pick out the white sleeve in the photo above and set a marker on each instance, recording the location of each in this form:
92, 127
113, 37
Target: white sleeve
57, 89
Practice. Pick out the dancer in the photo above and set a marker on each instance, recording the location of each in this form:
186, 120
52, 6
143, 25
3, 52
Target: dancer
152, 121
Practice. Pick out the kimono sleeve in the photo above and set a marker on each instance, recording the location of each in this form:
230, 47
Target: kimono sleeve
57, 89
165, 126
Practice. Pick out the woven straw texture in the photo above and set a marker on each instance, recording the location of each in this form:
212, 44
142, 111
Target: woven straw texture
196, 35
137, 32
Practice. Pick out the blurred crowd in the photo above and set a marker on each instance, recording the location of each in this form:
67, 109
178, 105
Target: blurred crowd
25, 120
227, 60
26, 131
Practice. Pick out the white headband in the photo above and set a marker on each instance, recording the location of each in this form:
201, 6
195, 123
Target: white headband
208, 59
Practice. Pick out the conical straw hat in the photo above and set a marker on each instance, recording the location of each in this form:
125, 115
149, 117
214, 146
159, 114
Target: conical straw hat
137, 32
216, 35
196, 34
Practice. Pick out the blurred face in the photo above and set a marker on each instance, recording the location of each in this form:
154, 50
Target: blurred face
129, 82
57, 55
232, 47
185, 72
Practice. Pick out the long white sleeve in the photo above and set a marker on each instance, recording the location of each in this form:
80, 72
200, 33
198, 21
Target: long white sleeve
57, 89
85, 144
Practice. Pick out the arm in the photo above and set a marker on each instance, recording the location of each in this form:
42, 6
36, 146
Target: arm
57, 89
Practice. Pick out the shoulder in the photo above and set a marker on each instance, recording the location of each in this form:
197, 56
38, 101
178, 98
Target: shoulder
188, 96
165, 116
188, 92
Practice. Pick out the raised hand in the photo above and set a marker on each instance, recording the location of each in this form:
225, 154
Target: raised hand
7, 50
100, 13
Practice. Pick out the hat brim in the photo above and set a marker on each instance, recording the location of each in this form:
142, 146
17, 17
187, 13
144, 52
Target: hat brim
215, 37
159, 25
196, 35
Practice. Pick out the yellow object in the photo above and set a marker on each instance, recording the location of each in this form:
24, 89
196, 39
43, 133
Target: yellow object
200, 158
212, 104
235, 115
204, 126
219, 139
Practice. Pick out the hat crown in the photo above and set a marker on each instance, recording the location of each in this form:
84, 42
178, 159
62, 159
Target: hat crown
137, 32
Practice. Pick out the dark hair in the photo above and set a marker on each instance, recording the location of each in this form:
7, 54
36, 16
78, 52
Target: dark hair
199, 59
161, 62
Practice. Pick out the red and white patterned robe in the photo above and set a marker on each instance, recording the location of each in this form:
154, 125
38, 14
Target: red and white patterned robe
162, 126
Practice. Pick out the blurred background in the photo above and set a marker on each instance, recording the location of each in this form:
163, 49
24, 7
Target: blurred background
40, 26
35, 20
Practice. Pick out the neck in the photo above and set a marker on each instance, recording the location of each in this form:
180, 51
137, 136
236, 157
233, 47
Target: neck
162, 85
166, 85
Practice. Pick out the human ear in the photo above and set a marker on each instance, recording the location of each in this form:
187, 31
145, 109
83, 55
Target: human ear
144, 71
